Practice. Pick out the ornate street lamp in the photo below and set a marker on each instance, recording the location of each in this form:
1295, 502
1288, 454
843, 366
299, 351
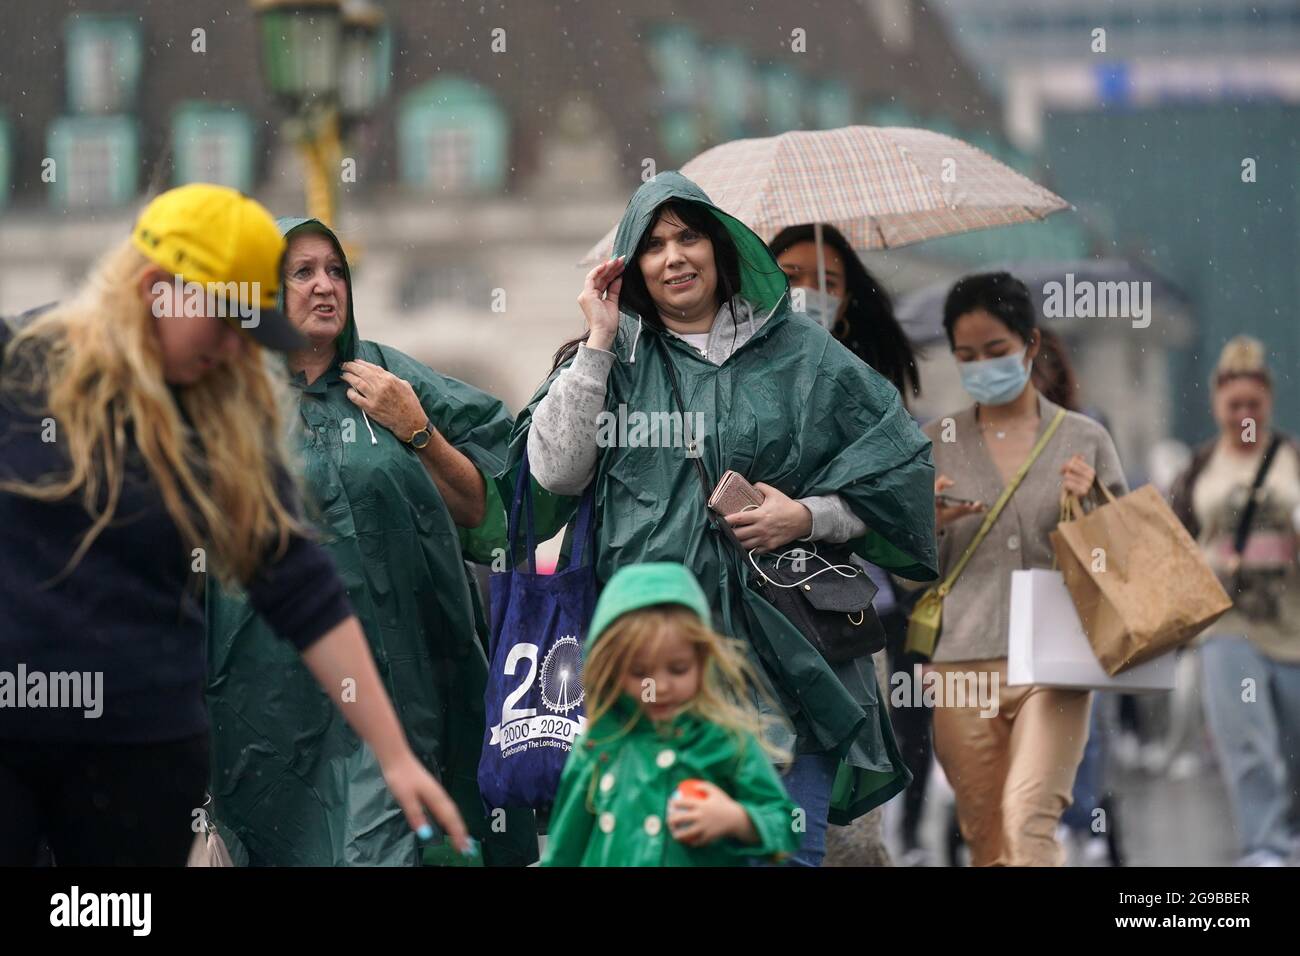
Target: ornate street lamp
301, 44
323, 60
366, 57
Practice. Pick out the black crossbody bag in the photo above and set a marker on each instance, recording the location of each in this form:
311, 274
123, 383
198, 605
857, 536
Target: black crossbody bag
1255, 603
827, 599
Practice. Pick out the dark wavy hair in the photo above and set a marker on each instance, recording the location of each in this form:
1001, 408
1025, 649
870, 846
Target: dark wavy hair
1000, 294
872, 331
634, 297
1052, 373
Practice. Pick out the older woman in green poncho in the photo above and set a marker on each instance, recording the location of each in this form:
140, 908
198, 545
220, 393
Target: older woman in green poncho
825, 438
395, 460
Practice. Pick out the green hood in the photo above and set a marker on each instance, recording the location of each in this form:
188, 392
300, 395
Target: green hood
646, 585
792, 408
291, 782
761, 280
289, 226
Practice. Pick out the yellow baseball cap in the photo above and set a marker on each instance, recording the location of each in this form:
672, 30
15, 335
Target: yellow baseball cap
214, 236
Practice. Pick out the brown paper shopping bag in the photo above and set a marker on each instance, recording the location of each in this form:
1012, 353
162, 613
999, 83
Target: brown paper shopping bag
1137, 578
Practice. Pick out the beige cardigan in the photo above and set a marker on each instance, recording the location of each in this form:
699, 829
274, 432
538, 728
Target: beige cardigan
977, 610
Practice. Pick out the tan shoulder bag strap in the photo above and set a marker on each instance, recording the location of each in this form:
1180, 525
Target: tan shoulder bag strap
923, 625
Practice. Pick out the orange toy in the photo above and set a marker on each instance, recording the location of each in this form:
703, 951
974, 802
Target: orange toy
692, 789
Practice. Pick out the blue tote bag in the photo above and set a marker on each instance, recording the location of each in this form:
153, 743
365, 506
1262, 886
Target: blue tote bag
534, 699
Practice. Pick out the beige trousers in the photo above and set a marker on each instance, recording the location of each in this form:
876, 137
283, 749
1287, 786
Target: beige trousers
1013, 772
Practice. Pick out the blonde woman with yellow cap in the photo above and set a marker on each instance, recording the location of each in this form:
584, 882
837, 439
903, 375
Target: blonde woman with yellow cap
140, 447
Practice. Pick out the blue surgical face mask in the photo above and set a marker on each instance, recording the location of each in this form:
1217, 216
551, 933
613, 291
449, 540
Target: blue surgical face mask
821, 307
995, 381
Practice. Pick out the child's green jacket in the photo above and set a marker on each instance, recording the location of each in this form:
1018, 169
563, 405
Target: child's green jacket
613, 798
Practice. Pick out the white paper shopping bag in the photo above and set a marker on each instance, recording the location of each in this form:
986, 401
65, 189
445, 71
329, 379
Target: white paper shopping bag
1046, 644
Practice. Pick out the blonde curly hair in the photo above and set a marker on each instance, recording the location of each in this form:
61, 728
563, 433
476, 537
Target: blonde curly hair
729, 689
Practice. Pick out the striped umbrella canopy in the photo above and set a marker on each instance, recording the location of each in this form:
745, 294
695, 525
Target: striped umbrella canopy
883, 187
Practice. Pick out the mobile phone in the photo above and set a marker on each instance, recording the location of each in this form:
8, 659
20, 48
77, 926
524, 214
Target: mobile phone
950, 501
734, 493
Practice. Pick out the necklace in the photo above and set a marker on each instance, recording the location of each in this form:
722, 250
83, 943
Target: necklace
1001, 432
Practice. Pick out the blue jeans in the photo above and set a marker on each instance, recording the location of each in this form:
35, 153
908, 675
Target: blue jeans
1257, 741
809, 782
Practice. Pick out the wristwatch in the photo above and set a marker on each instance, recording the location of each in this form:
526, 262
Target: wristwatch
421, 437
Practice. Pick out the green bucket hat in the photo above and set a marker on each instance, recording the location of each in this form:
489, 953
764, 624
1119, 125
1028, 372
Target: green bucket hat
645, 585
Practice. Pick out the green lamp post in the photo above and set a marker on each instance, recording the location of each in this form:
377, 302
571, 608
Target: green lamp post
366, 59
326, 62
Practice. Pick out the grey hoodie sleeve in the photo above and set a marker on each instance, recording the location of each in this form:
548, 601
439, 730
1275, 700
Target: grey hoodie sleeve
833, 521
562, 448
562, 437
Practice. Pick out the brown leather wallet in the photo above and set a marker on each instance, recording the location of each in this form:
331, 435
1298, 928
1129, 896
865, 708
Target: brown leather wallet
733, 494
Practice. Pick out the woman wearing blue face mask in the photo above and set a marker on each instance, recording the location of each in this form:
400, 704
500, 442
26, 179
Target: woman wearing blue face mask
1012, 770
855, 308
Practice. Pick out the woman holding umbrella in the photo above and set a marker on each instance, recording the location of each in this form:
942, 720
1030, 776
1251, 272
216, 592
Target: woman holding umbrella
854, 307
843, 297
693, 295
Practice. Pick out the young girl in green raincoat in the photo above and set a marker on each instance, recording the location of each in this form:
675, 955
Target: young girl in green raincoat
671, 770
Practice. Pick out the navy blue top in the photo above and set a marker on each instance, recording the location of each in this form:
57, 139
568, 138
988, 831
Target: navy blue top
132, 609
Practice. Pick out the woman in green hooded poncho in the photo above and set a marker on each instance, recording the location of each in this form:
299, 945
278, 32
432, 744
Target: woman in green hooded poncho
395, 461
825, 438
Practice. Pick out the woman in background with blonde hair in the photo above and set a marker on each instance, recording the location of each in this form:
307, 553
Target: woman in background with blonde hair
139, 443
1240, 498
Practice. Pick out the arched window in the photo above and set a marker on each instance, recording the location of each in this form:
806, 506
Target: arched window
453, 136
675, 58
96, 159
213, 144
783, 90
104, 54
735, 97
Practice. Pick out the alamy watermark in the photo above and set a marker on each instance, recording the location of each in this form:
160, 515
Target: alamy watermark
73, 690
130, 910
945, 688
1086, 299
637, 429
222, 300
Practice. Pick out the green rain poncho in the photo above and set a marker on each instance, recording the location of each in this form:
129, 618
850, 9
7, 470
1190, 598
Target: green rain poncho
291, 780
611, 808
793, 408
